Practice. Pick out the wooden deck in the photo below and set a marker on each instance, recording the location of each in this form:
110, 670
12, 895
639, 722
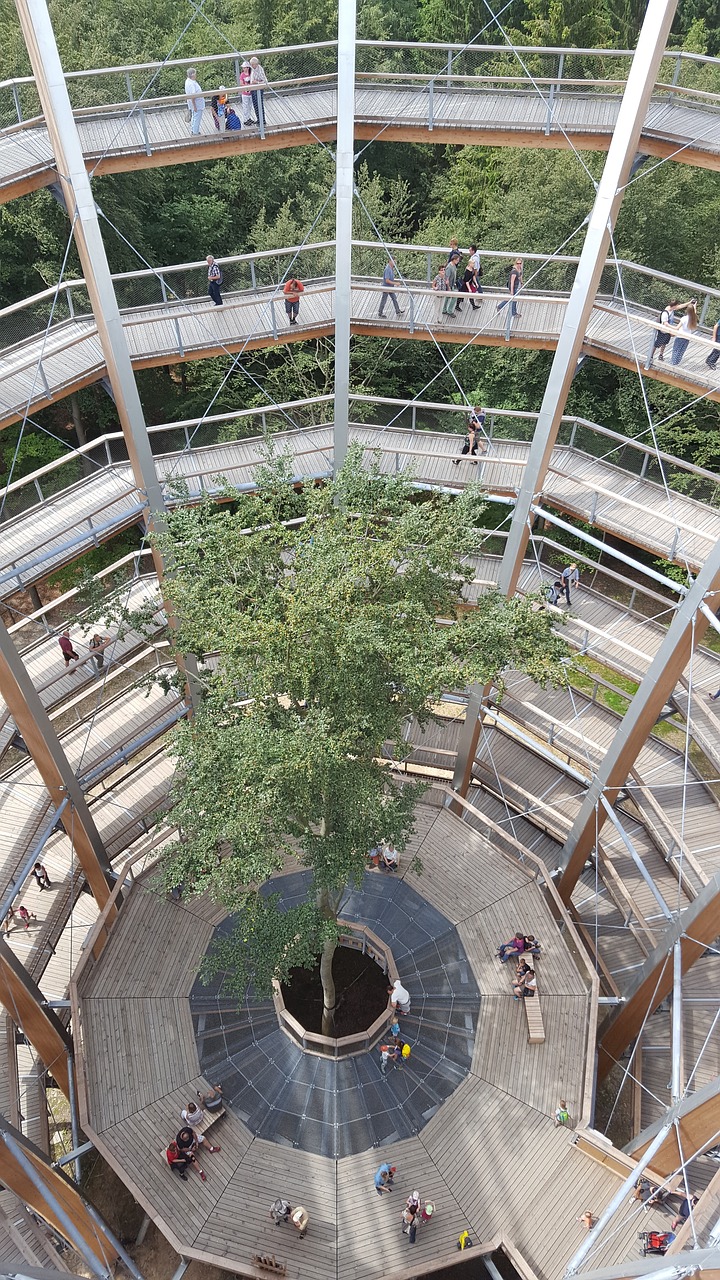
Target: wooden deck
113, 141
45, 367
140, 1066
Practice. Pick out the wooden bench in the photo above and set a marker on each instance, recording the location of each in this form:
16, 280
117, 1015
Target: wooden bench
533, 1013
209, 1118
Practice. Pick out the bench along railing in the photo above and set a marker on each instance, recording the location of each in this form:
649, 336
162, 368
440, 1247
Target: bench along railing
439, 67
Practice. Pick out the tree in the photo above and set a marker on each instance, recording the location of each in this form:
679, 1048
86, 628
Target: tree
329, 639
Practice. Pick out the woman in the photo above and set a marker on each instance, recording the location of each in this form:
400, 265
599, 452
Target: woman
688, 324
389, 857
527, 986
450, 304
440, 287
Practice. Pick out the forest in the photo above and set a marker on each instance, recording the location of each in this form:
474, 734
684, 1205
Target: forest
503, 199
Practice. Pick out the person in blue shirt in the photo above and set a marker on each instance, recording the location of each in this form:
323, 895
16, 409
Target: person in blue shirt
389, 289
232, 119
384, 1178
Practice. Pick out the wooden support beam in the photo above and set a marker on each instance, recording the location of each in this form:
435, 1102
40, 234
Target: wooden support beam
696, 928
698, 1122
42, 1027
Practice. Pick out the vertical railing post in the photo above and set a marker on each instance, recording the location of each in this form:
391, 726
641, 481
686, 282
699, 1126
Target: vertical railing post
449, 70
431, 105
128, 85
16, 100
554, 91
676, 76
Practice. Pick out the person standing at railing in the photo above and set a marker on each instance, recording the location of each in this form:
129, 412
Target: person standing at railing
246, 93
258, 79
195, 101
219, 106
439, 286
292, 290
688, 324
714, 355
470, 281
66, 645
215, 279
451, 280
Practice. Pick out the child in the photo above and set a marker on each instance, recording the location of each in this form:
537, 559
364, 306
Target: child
562, 1115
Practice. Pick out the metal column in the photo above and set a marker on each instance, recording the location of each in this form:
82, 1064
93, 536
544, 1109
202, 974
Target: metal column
643, 72
344, 186
54, 768
686, 629
82, 211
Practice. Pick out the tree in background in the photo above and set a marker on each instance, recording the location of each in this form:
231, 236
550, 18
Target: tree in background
331, 633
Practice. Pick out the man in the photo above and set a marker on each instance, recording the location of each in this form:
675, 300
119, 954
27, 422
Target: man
97, 645
195, 101
215, 279
292, 290
399, 997
389, 289
219, 107
514, 285
384, 1179
67, 649
451, 281
257, 79
439, 286
570, 577
714, 355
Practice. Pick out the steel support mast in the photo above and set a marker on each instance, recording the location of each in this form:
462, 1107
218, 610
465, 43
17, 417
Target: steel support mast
344, 188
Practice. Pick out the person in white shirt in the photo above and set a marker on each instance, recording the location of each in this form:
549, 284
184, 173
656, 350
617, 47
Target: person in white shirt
195, 100
257, 80
399, 997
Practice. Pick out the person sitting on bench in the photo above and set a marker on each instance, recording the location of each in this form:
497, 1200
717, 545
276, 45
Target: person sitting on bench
212, 1101
527, 986
514, 947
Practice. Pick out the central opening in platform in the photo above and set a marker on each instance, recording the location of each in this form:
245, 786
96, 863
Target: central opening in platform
361, 965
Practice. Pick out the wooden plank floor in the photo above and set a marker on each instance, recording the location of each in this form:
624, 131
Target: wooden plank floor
466, 1157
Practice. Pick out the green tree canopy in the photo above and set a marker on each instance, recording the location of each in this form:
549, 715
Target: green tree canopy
331, 631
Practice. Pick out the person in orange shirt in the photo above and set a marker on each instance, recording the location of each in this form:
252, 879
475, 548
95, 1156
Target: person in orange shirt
292, 290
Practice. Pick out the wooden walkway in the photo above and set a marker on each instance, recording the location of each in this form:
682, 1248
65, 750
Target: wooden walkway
140, 1062
116, 139
43, 368
667, 523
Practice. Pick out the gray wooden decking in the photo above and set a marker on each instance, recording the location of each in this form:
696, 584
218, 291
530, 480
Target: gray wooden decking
140, 1061
43, 368
638, 510
113, 140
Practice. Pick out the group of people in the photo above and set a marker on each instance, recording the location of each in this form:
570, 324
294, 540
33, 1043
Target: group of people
475, 441
182, 1153
384, 855
570, 577
396, 1051
22, 913
282, 1211
519, 947
679, 329
251, 82
450, 281
292, 289
416, 1210
96, 645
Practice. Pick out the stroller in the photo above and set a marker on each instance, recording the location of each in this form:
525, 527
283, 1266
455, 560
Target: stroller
656, 1241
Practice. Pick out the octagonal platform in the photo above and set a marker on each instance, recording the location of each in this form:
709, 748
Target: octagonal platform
486, 1151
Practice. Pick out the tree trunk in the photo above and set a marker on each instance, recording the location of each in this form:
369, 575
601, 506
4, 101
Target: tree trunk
328, 986
79, 426
329, 904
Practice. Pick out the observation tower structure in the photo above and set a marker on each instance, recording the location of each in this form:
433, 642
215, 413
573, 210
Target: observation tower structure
602, 835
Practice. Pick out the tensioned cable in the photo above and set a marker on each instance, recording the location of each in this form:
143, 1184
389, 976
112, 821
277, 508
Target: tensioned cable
455, 55
39, 360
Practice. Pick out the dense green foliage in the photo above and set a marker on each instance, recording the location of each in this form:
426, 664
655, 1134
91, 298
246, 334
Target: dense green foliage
532, 201
329, 642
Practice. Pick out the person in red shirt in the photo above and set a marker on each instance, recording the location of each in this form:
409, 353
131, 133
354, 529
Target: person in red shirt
292, 290
67, 648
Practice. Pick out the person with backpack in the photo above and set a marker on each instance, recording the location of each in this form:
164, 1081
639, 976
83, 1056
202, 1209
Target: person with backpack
215, 279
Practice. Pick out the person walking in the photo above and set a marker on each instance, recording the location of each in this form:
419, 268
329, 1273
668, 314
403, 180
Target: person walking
450, 304
215, 279
246, 94
258, 79
66, 645
292, 290
714, 696
684, 1212
515, 280
470, 284
687, 325
714, 354
663, 336
195, 101
389, 289
439, 286
470, 443
26, 916
570, 577
9, 919
42, 878
97, 645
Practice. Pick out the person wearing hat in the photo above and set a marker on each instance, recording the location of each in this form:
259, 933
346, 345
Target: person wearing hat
246, 93
219, 106
258, 80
